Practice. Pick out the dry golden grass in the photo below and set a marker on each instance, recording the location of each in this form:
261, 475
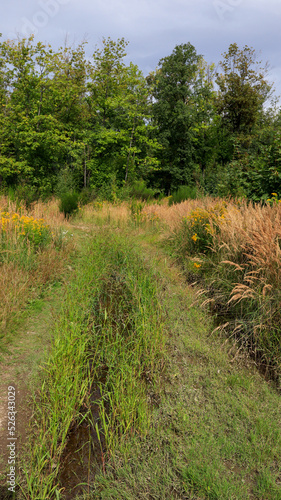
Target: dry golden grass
172, 216
24, 271
118, 213
251, 235
243, 268
48, 211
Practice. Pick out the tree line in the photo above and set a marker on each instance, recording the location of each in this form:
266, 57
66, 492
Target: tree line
100, 125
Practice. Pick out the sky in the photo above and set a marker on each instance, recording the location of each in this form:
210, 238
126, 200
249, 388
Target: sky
153, 27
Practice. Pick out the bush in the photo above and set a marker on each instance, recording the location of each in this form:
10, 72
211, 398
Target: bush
69, 203
140, 191
87, 195
197, 231
183, 193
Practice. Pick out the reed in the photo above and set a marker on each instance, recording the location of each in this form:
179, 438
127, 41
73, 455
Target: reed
238, 247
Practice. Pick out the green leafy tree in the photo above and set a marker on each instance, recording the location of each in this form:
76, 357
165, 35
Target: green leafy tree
242, 123
119, 138
43, 112
243, 89
180, 113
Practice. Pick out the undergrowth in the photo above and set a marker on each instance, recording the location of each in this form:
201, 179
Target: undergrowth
32, 253
233, 249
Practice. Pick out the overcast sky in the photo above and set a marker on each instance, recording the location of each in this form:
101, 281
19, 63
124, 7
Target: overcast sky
153, 27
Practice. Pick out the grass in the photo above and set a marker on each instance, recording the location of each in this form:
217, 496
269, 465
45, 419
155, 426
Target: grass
214, 430
183, 413
110, 316
32, 254
238, 247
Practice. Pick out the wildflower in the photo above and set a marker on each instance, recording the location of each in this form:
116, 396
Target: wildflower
194, 237
196, 265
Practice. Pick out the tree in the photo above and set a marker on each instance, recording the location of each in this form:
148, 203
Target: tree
120, 146
179, 111
43, 112
243, 89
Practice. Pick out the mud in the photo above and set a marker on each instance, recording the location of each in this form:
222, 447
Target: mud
83, 456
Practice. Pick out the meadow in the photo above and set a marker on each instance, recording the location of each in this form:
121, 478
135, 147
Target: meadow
164, 349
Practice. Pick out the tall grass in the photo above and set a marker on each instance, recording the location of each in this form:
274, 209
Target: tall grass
132, 342
49, 210
110, 315
32, 253
236, 245
172, 216
101, 212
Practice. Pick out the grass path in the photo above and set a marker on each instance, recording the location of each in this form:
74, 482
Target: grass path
216, 430
210, 427
21, 361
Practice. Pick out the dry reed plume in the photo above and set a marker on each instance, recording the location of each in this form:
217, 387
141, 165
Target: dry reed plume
251, 237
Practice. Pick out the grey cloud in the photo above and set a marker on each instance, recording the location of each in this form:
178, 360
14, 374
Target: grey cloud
154, 27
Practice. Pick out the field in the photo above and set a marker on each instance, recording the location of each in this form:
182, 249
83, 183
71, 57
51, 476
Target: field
143, 342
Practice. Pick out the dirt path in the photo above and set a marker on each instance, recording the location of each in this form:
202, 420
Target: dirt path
19, 368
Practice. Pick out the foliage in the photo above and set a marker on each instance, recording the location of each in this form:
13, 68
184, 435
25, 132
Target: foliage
119, 104
242, 89
69, 203
139, 190
180, 111
183, 193
71, 123
61, 112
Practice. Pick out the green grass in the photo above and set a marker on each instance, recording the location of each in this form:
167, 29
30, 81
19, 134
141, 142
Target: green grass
111, 316
215, 431
183, 193
184, 415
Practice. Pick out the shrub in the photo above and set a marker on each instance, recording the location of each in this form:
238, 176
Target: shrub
197, 230
140, 191
69, 203
87, 195
183, 193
